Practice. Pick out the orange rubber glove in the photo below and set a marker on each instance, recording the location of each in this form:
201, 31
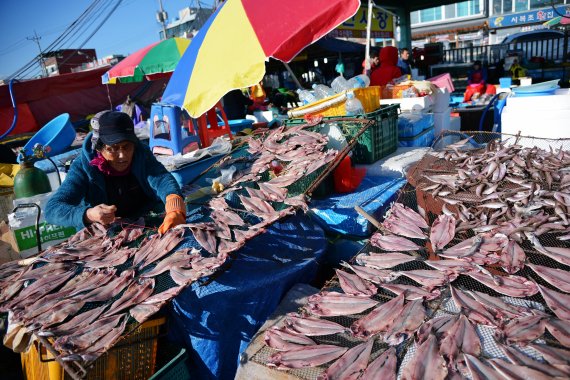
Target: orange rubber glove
175, 213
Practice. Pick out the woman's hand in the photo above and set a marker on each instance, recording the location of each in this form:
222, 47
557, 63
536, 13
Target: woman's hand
102, 213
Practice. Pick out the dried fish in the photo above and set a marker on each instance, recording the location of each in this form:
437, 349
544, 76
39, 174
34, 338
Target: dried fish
335, 304
311, 326
283, 340
516, 371
512, 258
523, 330
412, 293
442, 231
517, 357
460, 338
383, 367
427, 363
393, 243
559, 303
383, 260
560, 329
350, 365
379, 319
558, 278
428, 279
306, 356
480, 371
405, 323
376, 276
514, 286
471, 308
354, 285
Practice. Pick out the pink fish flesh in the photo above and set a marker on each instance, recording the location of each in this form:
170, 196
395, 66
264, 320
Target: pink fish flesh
383, 260
405, 323
499, 308
427, 363
354, 285
283, 340
516, 371
412, 293
480, 371
517, 357
514, 286
523, 330
350, 365
460, 338
558, 278
306, 356
437, 326
379, 319
383, 367
311, 326
336, 304
404, 212
442, 231
428, 279
393, 243
512, 258
471, 308
559, 303
403, 228
376, 276
560, 329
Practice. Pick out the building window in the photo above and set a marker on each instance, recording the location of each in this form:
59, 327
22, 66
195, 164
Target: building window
415, 17
507, 6
521, 5
450, 11
430, 14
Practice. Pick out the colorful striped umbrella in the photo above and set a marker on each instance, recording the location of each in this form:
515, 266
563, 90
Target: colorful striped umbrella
152, 62
231, 48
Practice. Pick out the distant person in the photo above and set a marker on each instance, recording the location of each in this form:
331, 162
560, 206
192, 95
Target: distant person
374, 63
404, 62
235, 104
132, 109
388, 69
258, 96
477, 83
516, 70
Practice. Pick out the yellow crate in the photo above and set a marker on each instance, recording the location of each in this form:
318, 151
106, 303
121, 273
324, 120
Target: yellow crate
133, 357
334, 105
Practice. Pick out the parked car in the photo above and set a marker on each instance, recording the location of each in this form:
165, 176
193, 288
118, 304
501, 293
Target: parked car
545, 43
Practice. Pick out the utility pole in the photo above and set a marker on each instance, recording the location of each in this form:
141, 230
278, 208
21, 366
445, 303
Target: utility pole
37, 39
161, 16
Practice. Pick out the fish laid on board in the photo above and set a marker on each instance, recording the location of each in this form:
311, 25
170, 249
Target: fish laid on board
283, 340
383, 367
383, 260
311, 326
354, 285
442, 231
350, 365
427, 363
336, 304
558, 278
306, 356
379, 319
393, 243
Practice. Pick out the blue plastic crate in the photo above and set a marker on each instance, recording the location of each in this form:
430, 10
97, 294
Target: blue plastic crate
423, 139
238, 125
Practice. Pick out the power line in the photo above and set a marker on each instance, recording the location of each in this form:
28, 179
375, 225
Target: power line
56, 44
37, 39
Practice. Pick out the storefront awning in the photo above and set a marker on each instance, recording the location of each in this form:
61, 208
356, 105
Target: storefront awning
450, 28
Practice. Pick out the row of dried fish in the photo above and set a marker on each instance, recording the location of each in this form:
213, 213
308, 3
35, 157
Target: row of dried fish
301, 152
504, 186
448, 345
59, 293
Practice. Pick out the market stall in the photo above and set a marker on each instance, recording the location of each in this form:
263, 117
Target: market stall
465, 277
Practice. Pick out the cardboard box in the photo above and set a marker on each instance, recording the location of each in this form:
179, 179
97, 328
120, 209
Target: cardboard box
23, 227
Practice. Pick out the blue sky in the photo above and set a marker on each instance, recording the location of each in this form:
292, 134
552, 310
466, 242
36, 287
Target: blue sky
132, 26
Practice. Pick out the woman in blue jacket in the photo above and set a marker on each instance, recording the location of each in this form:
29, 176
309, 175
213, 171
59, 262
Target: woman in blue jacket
116, 176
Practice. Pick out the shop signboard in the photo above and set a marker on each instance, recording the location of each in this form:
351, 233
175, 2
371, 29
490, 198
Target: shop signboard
531, 17
355, 27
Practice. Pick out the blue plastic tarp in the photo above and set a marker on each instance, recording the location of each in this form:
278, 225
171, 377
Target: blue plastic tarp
217, 321
336, 214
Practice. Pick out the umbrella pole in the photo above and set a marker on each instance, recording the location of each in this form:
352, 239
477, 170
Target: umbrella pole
368, 27
292, 75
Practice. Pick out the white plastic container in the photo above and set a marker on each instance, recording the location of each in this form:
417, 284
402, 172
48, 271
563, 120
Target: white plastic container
353, 106
441, 100
441, 121
420, 103
537, 116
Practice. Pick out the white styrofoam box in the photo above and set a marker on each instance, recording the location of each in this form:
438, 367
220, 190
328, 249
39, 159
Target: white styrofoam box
532, 104
420, 103
441, 121
397, 164
441, 103
551, 124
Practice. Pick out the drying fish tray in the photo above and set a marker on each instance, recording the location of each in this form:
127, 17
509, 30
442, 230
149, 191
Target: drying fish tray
378, 141
133, 357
